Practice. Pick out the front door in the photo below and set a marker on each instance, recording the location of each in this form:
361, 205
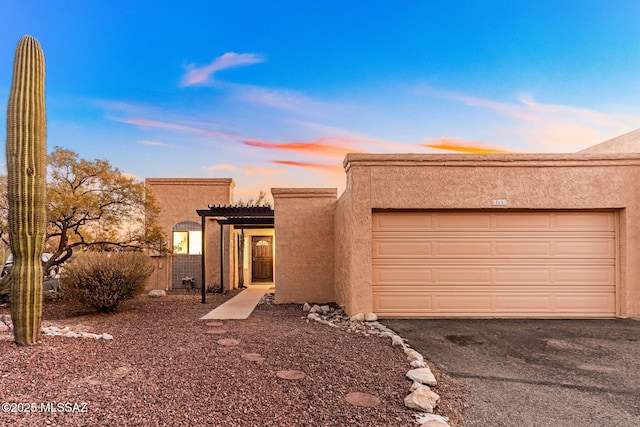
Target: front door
262, 258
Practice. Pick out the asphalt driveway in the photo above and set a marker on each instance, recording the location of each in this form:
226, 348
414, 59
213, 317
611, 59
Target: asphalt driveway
537, 372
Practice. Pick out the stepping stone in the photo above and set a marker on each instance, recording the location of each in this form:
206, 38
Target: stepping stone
362, 399
253, 357
291, 374
215, 324
215, 331
228, 342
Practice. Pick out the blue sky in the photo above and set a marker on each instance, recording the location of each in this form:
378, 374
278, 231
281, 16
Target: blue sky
275, 93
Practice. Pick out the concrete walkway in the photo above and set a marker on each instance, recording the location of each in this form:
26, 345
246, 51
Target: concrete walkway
241, 306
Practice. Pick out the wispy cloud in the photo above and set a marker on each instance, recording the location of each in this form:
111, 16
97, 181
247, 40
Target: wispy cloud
204, 75
286, 100
314, 148
331, 146
309, 165
222, 166
156, 143
150, 124
462, 146
553, 126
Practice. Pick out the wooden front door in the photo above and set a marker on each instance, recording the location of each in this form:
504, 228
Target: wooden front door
262, 258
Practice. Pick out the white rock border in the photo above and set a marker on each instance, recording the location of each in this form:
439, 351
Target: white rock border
421, 398
54, 331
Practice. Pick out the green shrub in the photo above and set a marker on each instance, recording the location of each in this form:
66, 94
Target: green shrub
102, 280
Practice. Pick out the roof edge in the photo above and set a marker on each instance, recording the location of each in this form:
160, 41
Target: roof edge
479, 160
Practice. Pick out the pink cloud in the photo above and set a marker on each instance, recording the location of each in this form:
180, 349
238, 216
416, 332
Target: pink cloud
221, 166
308, 165
153, 143
320, 146
203, 75
462, 146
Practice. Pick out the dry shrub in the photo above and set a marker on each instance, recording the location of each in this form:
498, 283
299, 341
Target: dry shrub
102, 280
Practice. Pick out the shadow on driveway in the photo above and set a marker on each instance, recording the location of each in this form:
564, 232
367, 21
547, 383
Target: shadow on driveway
537, 372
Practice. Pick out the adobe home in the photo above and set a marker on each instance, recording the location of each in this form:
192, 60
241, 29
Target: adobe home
426, 235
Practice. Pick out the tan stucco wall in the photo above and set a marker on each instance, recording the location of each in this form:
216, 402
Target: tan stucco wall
179, 198
304, 244
460, 181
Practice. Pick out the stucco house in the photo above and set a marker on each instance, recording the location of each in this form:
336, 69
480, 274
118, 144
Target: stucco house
426, 235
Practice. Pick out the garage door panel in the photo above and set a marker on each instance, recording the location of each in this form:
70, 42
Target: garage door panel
587, 221
529, 248
465, 303
522, 276
483, 275
395, 304
407, 221
425, 246
522, 221
399, 248
400, 276
479, 275
586, 275
494, 264
461, 221
482, 305
597, 302
462, 248
601, 248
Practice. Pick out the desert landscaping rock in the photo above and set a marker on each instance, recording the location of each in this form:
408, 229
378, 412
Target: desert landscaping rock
253, 357
162, 345
358, 317
228, 342
397, 341
417, 364
413, 355
157, 293
362, 399
291, 374
88, 335
423, 376
370, 317
214, 324
422, 399
434, 423
433, 420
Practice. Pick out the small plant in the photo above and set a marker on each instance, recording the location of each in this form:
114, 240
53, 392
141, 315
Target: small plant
102, 280
213, 289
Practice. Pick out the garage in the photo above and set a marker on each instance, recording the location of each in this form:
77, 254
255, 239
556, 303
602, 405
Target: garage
494, 263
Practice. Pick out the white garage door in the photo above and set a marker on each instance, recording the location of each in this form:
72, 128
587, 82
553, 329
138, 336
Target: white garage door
494, 264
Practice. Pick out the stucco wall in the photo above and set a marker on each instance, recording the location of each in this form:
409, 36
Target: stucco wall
542, 181
305, 244
179, 198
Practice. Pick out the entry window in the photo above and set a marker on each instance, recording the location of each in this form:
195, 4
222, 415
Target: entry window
187, 242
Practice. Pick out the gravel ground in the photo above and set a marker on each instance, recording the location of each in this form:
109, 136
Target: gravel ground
163, 368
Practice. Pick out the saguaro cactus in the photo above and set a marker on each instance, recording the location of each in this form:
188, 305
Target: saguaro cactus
26, 173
